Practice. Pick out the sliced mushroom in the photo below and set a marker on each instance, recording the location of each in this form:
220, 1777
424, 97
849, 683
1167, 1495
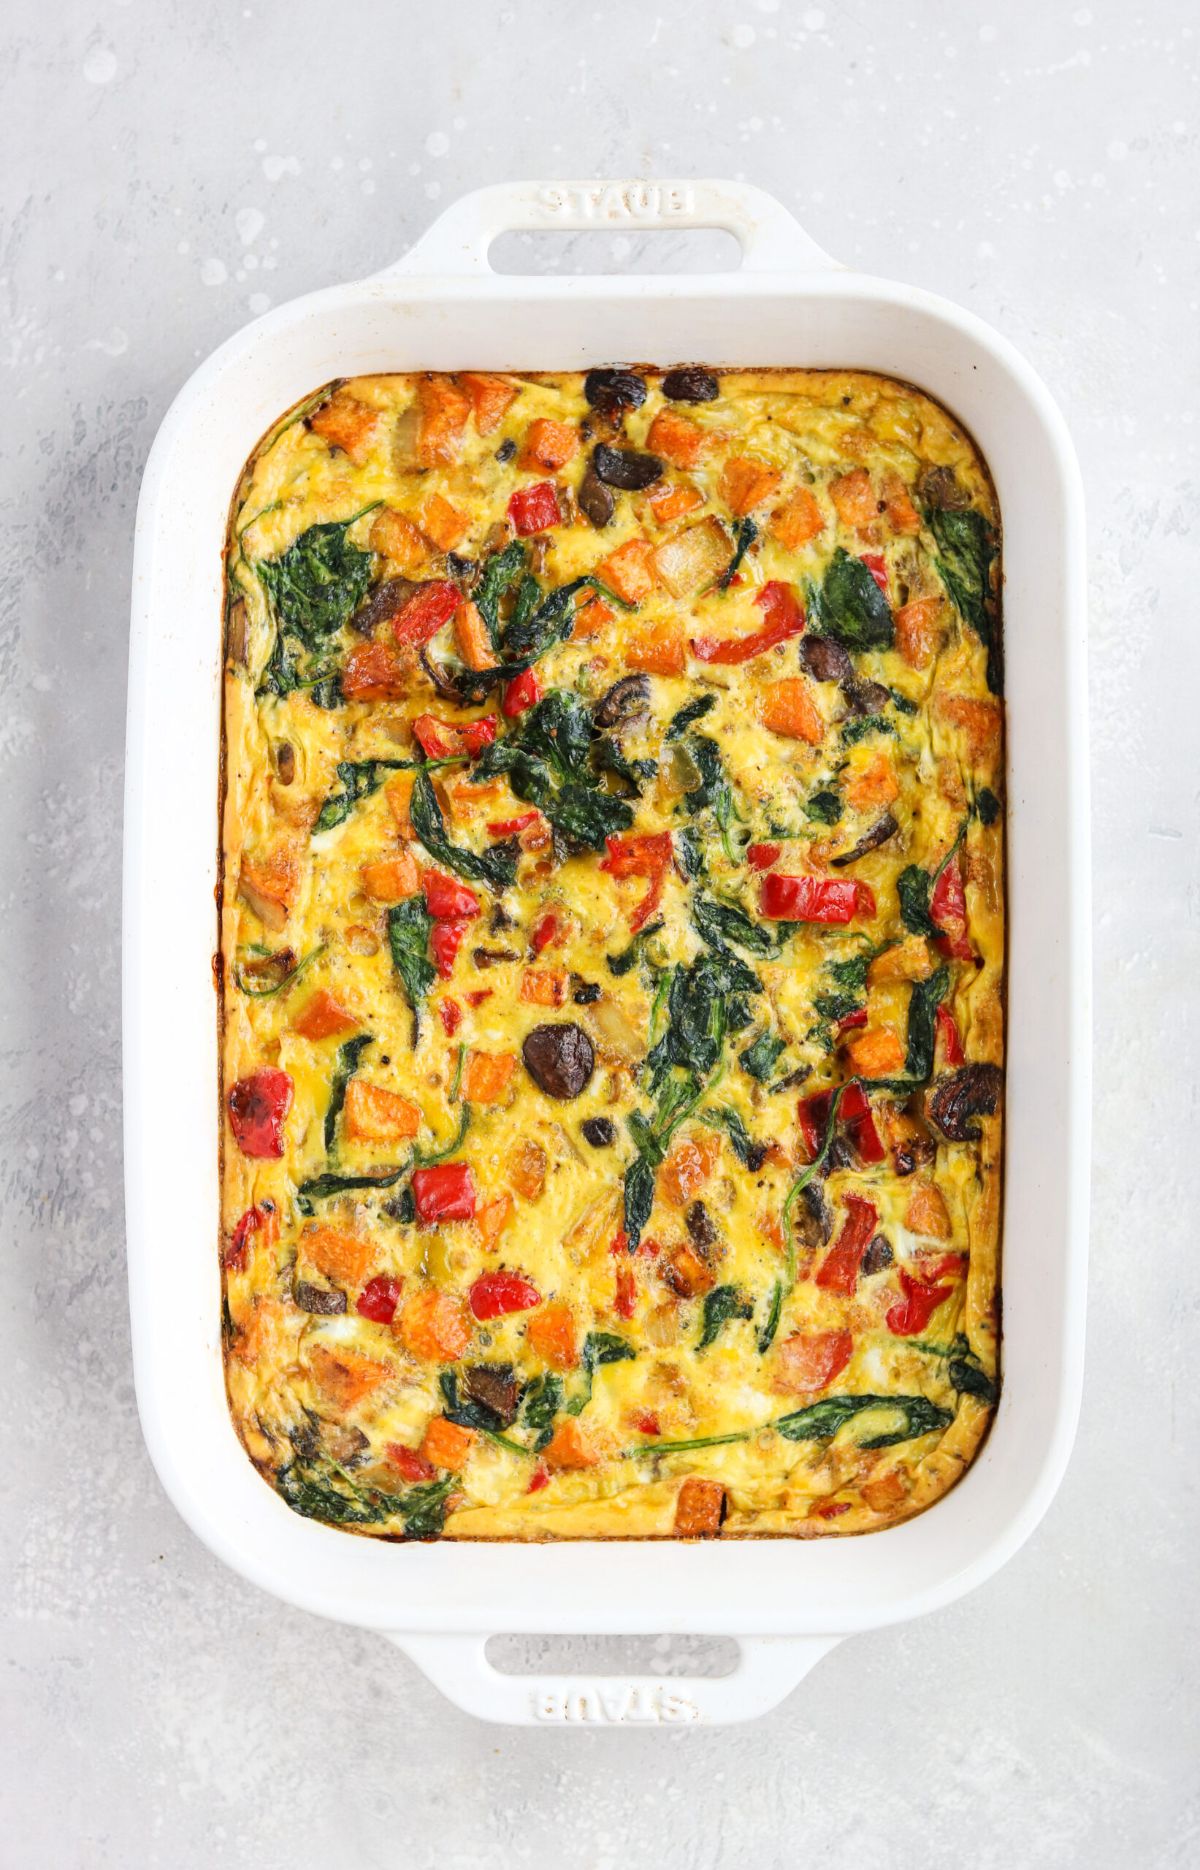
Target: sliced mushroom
624, 699
385, 600
495, 1387
883, 829
973, 1091
612, 392
864, 697
815, 1226
594, 499
468, 687
627, 468
690, 384
825, 660
323, 1300
700, 1226
560, 1058
939, 487
877, 1256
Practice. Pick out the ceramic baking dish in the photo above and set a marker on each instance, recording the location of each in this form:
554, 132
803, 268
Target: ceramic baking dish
442, 308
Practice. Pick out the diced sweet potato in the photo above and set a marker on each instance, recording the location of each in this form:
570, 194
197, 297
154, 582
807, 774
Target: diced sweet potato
399, 539
544, 986
345, 1377
434, 1326
689, 1166
878, 1053
550, 1333
338, 1253
629, 571
789, 708
487, 1076
670, 500
569, 1447
926, 1212
527, 1172
443, 522
493, 1217
657, 648
746, 482
269, 884
376, 672
873, 783
548, 446
398, 793
322, 1015
854, 498
372, 1114
919, 631
391, 879
490, 397
471, 637
447, 1444
980, 724
347, 423
442, 409
591, 618
676, 438
686, 1273
897, 501
699, 1509
798, 521
888, 1491
908, 960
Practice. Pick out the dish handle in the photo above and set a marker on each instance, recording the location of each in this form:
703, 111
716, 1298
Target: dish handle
768, 1668
772, 241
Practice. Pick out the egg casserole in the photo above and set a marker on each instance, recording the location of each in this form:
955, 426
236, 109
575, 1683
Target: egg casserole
612, 954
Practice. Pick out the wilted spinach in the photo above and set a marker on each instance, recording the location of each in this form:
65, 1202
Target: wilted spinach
850, 606
497, 867
546, 761
822, 1420
409, 924
721, 1306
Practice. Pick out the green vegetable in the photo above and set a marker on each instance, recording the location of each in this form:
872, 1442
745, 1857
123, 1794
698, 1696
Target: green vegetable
681, 1447
750, 1154
319, 582
327, 1495
425, 1158
321, 1187
344, 1069
497, 867
822, 1420
720, 923
784, 1285
855, 731
534, 628
744, 534
923, 1004
599, 1348
721, 1306
966, 547
901, 703
987, 806
608, 756
690, 712
714, 791
621, 963
467, 1411
914, 887
500, 573
408, 925
546, 761
285, 982
423, 1508
825, 808
851, 608
280, 676
963, 1369
761, 1057
358, 780
540, 1404
834, 1007
766, 1336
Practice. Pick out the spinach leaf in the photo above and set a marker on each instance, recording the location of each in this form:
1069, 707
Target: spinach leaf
327, 692
466, 1410
425, 1158
280, 677
423, 1508
822, 1420
688, 853
987, 806
533, 628
851, 972
321, 1187
750, 1154
621, 963
966, 548
851, 607
914, 887
599, 1348
497, 868
408, 925
608, 756
638, 1197
704, 1001
358, 780
720, 923
770, 1325
923, 1004
318, 583
744, 535
546, 761
825, 808
499, 574
967, 1375
761, 1057
855, 731
318, 1494
540, 1404
721, 1306
344, 1069
690, 712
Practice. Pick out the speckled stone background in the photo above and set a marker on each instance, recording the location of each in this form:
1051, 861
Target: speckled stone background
171, 169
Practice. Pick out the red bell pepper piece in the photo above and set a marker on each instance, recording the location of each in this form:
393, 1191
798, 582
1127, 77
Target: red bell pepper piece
441, 740
876, 564
422, 616
948, 909
510, 827
644, 855
450, 1014
814, 899
258, 1105
478, 995
620, 1243
535, 509
545, 930
254, 1218
538, 1479
496, 1294
445, 1192
448, 899
648, 1423
445, 940
407, 1462
762, 856
784, 616
379, 1298
625, 1303
854, 1110
947, 1032
852, 1021
912, 1313
521, 693
476, 735
838, 1271
831, 1509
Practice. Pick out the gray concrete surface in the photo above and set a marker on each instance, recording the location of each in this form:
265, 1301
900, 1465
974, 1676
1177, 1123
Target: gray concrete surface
171, 169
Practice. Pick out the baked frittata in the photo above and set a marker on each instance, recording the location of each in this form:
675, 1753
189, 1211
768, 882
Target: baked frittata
612, 954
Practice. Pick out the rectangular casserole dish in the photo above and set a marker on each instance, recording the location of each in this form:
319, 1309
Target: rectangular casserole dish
442, 308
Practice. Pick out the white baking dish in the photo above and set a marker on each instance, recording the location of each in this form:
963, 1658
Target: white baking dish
443, 308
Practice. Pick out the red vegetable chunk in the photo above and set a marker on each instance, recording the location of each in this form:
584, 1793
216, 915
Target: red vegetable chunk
445, 1192
838, 1271
535, 509
496, 1294
379, 1298
447, 898
815, 899
429, 607
784, 618
257, 1108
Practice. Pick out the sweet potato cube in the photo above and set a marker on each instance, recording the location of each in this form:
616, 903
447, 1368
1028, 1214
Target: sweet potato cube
629, 571
398, 793
746, 482
926, 1212
490, 397
569, 1447
676, 438
550, 1332
979, 722
447, 1444
345, 1377
908, 960
874, 783
897, 501
527, 1174
391, 879
657, 649
919, 631
699, 1509
544, 986
399, 539
798, 521
788, 708
493, 1217
854, 498
339, 1254
487, 1076
347, 423
591, 618
434, 1326
689, 1166
376, 672
372, 1114
322, 1015
442, 410
443, 522
886, 1492
671, 500
471, 637
686, 1273
269, 885
878, 1053
548, 446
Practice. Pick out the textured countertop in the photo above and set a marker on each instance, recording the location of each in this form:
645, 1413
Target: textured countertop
169, 172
